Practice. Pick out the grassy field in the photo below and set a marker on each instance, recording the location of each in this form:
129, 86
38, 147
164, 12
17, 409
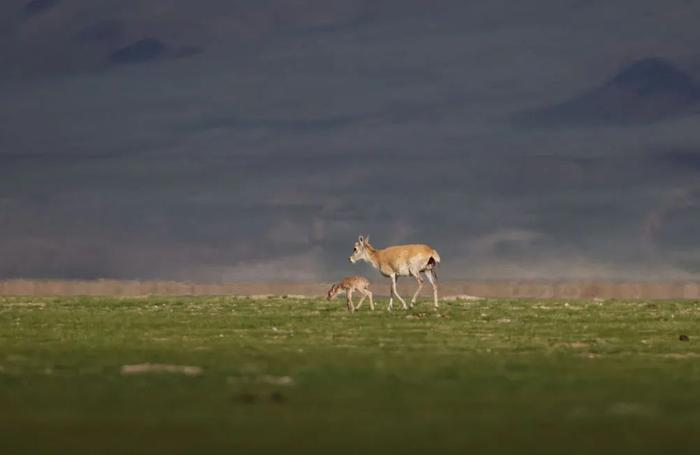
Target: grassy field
489, 376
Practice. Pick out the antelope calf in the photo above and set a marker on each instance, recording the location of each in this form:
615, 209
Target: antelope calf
400, 260
349, 285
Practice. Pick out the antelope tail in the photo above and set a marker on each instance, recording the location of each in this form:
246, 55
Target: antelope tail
432, 266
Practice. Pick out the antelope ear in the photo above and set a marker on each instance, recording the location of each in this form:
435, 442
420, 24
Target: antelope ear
361, 239
367, 239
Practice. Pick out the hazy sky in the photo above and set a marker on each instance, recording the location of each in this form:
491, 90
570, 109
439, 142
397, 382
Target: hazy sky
254, 140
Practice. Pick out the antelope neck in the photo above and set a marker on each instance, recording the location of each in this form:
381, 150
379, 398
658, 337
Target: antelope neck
372, 256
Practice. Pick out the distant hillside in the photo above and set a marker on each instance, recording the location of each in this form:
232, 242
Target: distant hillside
646, 91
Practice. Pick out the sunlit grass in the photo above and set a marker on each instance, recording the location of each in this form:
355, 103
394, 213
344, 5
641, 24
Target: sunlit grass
486, 376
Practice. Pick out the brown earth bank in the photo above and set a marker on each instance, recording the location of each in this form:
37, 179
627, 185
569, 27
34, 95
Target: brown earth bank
448, 289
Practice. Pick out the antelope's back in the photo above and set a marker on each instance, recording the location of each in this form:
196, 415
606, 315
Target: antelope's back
355, 281
418, 254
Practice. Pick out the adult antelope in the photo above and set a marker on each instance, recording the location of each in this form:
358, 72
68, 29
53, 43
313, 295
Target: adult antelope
400, 260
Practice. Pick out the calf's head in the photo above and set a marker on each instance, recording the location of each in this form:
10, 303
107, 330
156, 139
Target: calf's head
332, 292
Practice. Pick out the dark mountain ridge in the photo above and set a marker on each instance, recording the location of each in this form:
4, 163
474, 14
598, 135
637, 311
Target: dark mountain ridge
646, 91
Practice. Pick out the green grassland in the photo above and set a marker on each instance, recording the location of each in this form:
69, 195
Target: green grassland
305, 376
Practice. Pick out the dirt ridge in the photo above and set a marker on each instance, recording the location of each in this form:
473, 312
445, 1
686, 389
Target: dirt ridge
453, 289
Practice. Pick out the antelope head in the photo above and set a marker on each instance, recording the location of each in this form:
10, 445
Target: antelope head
332, 292
361, 250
